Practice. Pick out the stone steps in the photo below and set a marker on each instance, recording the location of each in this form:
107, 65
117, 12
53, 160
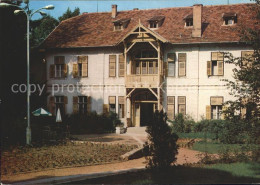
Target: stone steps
136, 130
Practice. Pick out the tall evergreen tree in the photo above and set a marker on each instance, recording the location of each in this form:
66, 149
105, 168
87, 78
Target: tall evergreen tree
68, 14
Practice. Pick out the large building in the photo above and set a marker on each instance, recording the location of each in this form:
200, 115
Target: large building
136, 62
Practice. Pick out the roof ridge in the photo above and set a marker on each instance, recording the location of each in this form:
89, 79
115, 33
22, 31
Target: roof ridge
181, 7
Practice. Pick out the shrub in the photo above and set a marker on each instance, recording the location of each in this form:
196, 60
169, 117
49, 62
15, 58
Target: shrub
161, 144
182, 124
92, 123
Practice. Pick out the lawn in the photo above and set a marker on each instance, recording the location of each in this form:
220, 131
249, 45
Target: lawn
213, 147
214, 174
195, 135
29, 159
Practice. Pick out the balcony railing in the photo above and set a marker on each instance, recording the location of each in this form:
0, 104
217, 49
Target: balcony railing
142, 81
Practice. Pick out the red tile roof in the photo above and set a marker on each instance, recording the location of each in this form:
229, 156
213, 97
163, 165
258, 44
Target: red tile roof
96, 29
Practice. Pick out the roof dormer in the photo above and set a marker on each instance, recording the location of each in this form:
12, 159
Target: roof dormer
188, 20
120, 24
156, 22
229, 18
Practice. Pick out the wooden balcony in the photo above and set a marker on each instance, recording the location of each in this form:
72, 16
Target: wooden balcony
142, 81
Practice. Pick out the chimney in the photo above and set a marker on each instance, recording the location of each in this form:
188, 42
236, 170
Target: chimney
136, 9
197, 20
114, 10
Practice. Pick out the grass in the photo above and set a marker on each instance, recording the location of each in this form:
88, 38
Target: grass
30, 159
215, 147
231, 173
239, 169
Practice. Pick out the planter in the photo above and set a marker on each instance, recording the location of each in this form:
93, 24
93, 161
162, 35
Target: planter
120, 130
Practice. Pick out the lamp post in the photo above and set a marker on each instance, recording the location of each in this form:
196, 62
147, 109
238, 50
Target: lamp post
29, 15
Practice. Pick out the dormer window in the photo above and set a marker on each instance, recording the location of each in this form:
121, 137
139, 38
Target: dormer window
229, 18
189, 20
120, 24
156, 22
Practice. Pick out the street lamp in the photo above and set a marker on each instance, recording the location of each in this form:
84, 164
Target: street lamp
28, 16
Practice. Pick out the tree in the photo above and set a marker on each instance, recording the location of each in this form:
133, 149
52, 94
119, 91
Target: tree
68, 14
246, 85
161, 144
41, 28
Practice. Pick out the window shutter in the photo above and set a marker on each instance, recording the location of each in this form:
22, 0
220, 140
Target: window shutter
181, 100
75, 70
220, 56
65, 70
89, 104
121, 100
65, 100
220, 68
105, 108
182, 64
170, 112
182, 105
59, 59
209, 68
214, 55
52, 71
112, 100
171, 57
75, 104
222, 114
216, 100
165, 66
84, 69
52, 105
170, 100
82, 59
208, 112
112, 65
121, 65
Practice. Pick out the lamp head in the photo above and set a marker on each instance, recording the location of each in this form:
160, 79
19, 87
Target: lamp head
26, 1
49, 7
42, 13
4, 5
16, 12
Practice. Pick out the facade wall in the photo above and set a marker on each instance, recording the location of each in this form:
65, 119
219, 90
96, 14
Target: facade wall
197, 86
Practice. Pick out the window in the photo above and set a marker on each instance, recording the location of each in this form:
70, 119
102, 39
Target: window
156, 21
170, 107
112, 104
80, 69
121, 107
154, 25
171, 64
214, 110
182, 64
118, 27
121, 24
229, 18
230, 21
215, 67
121, 65
112, 65
189, 22
60, 102
182, 105
146, 67
59, 68
83, 104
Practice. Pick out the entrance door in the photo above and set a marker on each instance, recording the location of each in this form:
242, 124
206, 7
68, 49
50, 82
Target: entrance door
146, 113
137, 114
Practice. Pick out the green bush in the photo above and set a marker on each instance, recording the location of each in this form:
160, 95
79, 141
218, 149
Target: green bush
182, 124
92, 123
161, 144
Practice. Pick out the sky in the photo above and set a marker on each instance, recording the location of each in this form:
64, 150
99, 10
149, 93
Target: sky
105, 6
